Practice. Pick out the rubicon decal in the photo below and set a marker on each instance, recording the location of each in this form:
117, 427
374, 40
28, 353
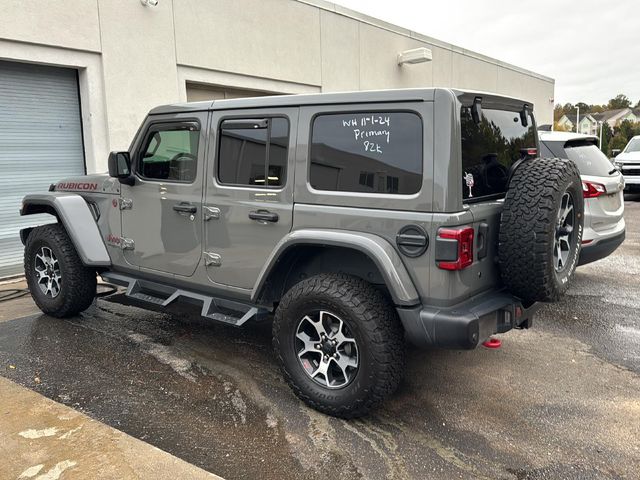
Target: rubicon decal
86, 186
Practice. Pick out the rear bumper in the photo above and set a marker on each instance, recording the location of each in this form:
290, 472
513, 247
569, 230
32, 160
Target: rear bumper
468, 324
603, 248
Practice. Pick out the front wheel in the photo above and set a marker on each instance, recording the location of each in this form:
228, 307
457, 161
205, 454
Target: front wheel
60, 284
340, 344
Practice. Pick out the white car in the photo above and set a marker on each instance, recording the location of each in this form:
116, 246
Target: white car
628, 162
602, 187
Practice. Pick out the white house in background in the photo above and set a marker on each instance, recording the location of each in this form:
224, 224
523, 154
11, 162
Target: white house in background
589, 122
616, 117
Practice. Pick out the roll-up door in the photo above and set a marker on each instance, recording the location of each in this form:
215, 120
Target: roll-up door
40, 143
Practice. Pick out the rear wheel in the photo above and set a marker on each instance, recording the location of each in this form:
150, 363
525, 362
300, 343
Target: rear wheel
60, 284
340, 344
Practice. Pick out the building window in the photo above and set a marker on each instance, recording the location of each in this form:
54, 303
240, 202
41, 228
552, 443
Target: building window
373, 152
253, 152
170, 153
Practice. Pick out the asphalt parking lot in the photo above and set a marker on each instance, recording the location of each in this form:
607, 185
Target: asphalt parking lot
561, 400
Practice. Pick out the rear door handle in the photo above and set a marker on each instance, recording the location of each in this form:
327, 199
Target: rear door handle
185, 207
264, 216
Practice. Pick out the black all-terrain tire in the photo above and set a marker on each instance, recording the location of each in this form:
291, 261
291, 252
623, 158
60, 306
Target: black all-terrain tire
78, 283
374, 325
528, 228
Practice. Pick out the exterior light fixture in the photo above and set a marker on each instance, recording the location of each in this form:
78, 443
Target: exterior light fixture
149, 3
415, 55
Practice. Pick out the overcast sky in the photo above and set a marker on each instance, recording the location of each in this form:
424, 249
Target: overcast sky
591, 48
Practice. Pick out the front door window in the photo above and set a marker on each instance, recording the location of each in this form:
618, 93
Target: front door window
170, 154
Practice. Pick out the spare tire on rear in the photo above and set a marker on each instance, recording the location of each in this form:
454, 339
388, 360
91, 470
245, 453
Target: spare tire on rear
541, 229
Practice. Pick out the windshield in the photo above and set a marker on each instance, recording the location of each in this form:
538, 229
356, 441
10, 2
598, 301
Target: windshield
633, 145
490, 148
590, 160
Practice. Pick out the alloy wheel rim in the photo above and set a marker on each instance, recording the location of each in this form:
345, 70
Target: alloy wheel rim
564, 233
47, 269
326, 349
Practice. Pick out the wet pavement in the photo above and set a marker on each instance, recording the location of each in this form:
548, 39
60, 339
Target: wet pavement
561, 400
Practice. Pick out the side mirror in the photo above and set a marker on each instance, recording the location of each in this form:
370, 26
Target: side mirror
615, 152
120, 166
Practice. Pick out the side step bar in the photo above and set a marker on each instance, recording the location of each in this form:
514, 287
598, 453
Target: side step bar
218, 309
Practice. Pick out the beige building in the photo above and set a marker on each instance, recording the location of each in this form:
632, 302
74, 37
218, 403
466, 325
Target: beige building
78, 76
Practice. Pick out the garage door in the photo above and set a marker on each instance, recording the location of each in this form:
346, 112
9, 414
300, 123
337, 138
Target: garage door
40, 143
198, 93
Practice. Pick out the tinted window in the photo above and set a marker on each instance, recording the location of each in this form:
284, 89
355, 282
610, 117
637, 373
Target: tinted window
377, 152
490, 147
590, 160
254, 152
171, 153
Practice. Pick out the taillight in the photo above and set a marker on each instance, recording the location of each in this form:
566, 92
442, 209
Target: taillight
529, 152
592, 189
454, 248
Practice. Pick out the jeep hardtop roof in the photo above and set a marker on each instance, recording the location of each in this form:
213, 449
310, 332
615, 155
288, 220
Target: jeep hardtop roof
367, 96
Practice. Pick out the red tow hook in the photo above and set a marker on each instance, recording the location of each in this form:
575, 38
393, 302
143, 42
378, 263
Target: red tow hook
492, 343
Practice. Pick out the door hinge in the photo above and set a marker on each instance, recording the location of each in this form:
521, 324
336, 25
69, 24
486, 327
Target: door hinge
125, 203
212, 259
211, 212
127, 244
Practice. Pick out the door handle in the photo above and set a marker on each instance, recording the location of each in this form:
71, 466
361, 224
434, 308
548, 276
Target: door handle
264, 216
185, 207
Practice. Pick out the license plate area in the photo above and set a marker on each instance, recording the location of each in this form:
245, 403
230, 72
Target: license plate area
610, 202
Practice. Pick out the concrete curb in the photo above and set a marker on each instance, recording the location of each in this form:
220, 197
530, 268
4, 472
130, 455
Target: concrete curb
42, 439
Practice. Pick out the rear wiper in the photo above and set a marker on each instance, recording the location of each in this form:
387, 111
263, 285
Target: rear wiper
612, 171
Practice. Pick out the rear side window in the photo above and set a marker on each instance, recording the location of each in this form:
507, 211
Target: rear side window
490, 148
372, 152
589, 158
253, 152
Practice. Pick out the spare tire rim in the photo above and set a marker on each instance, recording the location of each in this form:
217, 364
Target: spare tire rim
564, 233
326, 349
48, 274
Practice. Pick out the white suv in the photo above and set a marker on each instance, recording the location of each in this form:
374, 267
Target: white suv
602, 186
628, 162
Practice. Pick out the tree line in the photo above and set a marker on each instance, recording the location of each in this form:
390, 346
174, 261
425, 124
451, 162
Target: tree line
612, 138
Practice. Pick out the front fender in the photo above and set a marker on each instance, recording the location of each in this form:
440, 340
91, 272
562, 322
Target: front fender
74, 214
382, 253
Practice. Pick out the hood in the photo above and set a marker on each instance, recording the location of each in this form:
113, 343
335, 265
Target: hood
98, 183
630, 157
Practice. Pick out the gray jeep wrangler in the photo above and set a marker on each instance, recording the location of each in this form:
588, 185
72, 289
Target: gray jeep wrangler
356, 219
